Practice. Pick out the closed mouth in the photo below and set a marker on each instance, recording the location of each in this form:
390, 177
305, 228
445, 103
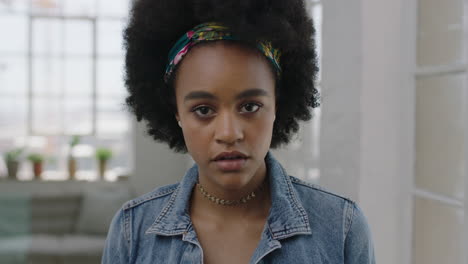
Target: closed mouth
230, 156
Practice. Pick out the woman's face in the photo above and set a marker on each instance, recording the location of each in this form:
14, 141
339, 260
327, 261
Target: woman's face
225, 95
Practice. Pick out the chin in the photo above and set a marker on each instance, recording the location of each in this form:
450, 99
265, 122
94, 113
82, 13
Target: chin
233, 180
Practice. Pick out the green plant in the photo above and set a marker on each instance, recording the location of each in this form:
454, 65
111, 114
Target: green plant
36, 157
13, 155
103, 154
75, 140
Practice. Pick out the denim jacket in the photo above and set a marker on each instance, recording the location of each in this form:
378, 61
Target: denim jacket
305, 225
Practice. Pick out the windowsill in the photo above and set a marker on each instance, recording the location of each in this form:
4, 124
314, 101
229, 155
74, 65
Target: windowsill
111, 175
38, 188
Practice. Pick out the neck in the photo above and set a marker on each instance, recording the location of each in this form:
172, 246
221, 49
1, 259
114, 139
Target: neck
258, 206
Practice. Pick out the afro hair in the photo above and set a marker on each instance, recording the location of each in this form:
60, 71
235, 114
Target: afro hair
155, 25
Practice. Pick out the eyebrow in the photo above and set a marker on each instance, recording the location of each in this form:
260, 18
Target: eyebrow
252, 93
206, 95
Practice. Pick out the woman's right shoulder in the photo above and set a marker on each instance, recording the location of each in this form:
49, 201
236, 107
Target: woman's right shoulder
141, 211
158, 196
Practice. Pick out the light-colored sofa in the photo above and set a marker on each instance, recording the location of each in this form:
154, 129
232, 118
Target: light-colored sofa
65, 225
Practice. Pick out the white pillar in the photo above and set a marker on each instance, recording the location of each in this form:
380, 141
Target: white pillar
367, 116
341, 97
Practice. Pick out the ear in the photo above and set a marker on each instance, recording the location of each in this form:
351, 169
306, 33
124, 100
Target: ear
276, 112
178, 120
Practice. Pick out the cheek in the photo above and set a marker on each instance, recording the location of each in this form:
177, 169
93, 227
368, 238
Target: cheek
261, 131
196, 139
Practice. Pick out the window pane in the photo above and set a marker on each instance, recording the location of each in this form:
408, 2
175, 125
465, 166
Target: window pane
112, 117
81, 7
13, 76
437, 237
78, 116
46, 115
436, 15
440, 158
55, 115
13, 112
440, 32
78, 77
15, 27
113, 7
110, 37
47, 37
49, 7
110, 77
47, 76
78, 37
441, 48
18, 6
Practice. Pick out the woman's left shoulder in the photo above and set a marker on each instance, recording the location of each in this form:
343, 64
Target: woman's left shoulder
327, 209
324, 204
310, 193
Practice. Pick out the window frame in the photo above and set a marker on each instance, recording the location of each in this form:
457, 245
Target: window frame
410, 33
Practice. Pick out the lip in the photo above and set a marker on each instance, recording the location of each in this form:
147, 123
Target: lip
229, 165
230, 154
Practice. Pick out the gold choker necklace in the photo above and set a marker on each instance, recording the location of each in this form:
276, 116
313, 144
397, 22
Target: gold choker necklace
224, 202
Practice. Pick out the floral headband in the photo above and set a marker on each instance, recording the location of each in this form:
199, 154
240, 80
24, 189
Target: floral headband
211, 32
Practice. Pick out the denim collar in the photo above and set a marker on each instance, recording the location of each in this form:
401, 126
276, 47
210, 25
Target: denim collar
287, 216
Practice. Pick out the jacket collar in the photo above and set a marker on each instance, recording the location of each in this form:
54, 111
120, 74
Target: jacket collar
287, 215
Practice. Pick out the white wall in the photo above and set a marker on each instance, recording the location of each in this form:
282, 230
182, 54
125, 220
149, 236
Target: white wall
341, 97
386, 128
155, 164
367, 116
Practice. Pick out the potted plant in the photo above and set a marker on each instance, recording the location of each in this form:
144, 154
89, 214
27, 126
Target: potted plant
103, 155
75, 140
12, 160
37, 161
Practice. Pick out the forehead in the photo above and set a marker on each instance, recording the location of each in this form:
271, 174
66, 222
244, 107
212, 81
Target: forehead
223, 67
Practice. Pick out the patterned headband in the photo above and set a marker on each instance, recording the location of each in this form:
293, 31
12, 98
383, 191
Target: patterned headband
212, 32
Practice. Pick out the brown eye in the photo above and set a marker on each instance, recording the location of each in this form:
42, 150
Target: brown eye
250, 108
203, 111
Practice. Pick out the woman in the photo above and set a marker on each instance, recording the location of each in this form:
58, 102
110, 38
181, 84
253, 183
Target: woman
238, 79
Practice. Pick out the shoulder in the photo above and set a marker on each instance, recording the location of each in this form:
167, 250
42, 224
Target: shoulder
309, 190
317, 198
158, 196
143, 210
341, 211
326, 205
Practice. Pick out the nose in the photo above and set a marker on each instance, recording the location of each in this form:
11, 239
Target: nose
229, 129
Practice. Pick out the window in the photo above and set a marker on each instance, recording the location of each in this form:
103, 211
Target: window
439, 198
61, 74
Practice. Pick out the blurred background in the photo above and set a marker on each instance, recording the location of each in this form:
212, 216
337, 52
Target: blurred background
391, 132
